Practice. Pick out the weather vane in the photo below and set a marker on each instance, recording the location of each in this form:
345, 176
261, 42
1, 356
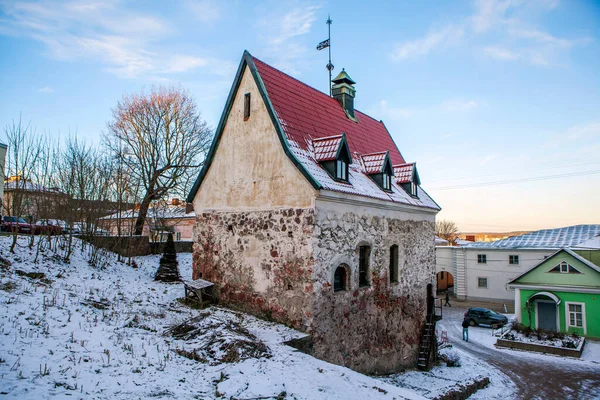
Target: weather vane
327, 44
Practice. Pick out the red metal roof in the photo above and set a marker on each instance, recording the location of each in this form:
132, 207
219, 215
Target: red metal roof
325, 149
403, 173
307, 114
373, 163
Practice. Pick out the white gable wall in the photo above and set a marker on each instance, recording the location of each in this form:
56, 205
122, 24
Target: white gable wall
250, 170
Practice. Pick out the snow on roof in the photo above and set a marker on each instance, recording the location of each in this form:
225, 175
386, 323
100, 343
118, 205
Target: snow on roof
325, 149
441, 242
404, 172
373, 163
569, 236
307, 115
27, 186
593, 243
162, 212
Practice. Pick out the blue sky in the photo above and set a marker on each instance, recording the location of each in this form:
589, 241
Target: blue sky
476, 92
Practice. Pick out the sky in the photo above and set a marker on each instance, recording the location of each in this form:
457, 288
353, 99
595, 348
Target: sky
498, 102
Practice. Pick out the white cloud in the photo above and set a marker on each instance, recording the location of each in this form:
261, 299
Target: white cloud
507, 19
127, 43
384, 111
450, 35
46, 89
500, 53
182, 63
295, 22
488, 14
205, 10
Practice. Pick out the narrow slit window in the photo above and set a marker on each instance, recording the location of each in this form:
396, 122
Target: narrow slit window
363, 266
246, 106
341, 170
340, 279
394, 263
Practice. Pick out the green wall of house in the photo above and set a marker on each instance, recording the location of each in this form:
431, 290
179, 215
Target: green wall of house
591, 255
541, 275
591, 312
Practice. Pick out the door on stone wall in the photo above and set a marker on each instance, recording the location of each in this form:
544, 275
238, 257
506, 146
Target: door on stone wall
546, 315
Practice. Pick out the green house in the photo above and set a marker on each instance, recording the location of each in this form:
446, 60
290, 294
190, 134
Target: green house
561, 293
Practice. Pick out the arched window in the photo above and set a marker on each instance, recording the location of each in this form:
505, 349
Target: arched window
340, 278
394, 263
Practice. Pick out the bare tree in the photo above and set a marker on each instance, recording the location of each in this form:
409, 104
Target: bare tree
446, 230
163, 138
22, 157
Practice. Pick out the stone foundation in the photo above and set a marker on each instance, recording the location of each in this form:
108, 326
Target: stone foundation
280, 264
374, 329
260, 261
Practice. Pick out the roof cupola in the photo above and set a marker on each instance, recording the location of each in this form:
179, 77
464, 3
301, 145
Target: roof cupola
343, 91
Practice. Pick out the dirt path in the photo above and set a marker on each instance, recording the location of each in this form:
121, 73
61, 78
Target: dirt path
535, 376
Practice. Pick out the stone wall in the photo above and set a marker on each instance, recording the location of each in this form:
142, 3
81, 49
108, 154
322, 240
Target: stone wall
374, 329
280, 264
260, 261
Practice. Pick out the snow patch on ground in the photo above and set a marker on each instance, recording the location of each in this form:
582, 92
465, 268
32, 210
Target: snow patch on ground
99, 333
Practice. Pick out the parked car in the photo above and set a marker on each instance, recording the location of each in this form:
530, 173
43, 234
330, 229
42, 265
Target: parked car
485, 316
63, 226
16, 224
48, 227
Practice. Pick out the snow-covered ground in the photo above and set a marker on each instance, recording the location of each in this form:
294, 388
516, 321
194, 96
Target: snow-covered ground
88, 332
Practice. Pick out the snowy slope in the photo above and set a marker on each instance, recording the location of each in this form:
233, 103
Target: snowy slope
99, 333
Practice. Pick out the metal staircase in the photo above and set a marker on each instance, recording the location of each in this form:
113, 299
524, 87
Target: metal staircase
428, 337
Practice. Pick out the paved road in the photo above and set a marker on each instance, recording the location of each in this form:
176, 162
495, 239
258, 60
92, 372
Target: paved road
535, 376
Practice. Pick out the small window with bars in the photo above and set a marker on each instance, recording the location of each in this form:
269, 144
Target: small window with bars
481, 259
513, 259
482, 283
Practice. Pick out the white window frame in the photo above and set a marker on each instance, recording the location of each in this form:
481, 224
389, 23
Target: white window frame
564, 263
340, 170
568, 316
386, 182
517, 258
413, 188
486, 282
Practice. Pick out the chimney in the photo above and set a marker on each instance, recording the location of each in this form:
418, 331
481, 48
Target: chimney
343, 91
189, 207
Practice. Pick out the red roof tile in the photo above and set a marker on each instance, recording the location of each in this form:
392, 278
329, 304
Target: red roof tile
403, 173
307, 114
373, 163
325, 149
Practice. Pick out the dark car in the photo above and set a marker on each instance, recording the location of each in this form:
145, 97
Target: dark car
485, 316
16, 224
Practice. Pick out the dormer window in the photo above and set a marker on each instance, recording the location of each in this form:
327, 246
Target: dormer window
379, 167
387, 182
341, 170
407, 177
333, 154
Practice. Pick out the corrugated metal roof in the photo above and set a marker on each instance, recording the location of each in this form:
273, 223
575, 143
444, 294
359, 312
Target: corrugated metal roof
570, 236
164, 212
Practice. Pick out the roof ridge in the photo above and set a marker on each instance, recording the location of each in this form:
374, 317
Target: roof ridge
313, 88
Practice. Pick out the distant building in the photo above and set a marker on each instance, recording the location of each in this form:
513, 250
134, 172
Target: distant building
482, 270
560, 293
3, 149
174, 217
30, 200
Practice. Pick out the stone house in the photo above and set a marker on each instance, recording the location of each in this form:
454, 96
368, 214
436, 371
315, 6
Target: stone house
308, 214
